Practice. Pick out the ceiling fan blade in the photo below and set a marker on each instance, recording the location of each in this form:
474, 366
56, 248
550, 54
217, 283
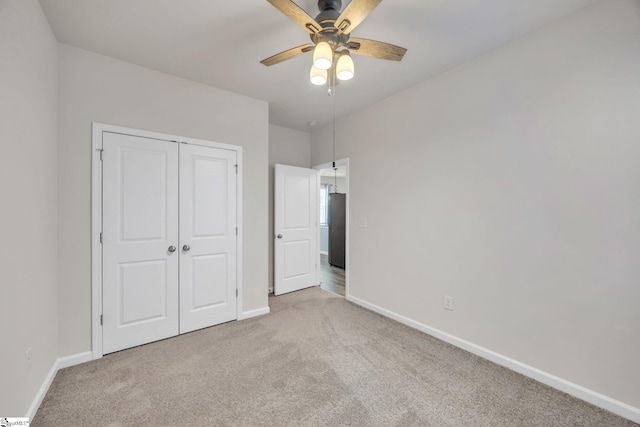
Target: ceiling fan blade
354, 14
294, 12
287, 54
376, 49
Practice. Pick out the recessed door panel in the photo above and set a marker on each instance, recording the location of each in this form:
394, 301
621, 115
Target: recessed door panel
296, 255
210, 213
142, 281
140, 224
209, 280
296, 200
143, 190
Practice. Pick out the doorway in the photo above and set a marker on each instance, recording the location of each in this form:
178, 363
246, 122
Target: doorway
333, 226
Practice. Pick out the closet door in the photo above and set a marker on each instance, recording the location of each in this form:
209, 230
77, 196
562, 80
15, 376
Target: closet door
207, 236
140, 239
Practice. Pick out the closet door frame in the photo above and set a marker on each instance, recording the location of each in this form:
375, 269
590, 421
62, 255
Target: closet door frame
96, 218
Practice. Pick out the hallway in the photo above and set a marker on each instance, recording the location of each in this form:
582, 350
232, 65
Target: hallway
331, 278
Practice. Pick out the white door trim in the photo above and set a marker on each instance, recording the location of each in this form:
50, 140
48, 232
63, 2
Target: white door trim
342, 162
96, 218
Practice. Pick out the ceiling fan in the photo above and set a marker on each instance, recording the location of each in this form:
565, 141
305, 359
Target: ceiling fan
331, 40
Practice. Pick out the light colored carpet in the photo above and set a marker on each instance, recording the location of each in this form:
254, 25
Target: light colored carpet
316, 360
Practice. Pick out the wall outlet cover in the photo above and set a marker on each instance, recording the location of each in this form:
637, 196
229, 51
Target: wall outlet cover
448, 303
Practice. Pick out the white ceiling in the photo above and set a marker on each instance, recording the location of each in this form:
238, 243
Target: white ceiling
220, 43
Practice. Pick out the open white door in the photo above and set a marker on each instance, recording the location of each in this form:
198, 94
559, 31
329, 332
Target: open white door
296, 212
140, 229
207, 236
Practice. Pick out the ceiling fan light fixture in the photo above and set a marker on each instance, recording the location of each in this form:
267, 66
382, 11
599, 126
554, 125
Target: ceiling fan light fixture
317, 76
322, 56
344, 66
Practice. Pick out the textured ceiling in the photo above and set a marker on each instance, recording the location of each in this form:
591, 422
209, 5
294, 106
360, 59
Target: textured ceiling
221, 43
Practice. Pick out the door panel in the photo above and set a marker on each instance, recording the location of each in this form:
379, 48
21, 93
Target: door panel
296, 213
296, 256
296, 200
209, 280
142, 281
140, 222
208, 226
143, 190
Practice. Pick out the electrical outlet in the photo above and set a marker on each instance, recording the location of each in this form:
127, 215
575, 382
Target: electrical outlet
27, 359
448, 302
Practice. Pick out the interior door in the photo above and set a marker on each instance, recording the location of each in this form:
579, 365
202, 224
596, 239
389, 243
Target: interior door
296, 212
207, 236
140, 238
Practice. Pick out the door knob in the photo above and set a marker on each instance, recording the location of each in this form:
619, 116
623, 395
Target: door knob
172, 248
279, 236
186, 248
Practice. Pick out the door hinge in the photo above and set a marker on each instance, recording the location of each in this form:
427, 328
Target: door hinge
236, 166
101, 320
236, 292
236, 231
101, 237
101, 155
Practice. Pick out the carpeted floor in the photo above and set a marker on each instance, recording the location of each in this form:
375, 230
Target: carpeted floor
316, 360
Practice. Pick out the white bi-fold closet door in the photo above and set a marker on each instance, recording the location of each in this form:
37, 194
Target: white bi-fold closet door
169, 239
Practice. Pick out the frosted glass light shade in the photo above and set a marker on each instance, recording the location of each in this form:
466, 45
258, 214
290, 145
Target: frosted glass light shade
317, 76
322, 56
344, 67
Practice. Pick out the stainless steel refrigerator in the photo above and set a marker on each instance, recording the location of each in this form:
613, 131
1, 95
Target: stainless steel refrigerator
337, 229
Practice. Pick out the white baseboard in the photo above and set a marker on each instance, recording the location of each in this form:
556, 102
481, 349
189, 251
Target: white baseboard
253, 313
60, 363
74, 359
42, 392
619, 408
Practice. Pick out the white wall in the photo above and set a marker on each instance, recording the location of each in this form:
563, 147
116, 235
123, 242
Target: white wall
286, 147
324, 239
514, 190
101, 89
340, 182
28, 213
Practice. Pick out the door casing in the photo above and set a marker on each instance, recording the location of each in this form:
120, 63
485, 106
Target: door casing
96, 218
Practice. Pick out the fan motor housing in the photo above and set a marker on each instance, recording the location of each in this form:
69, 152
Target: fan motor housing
329, 13
329, 4
326, 18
